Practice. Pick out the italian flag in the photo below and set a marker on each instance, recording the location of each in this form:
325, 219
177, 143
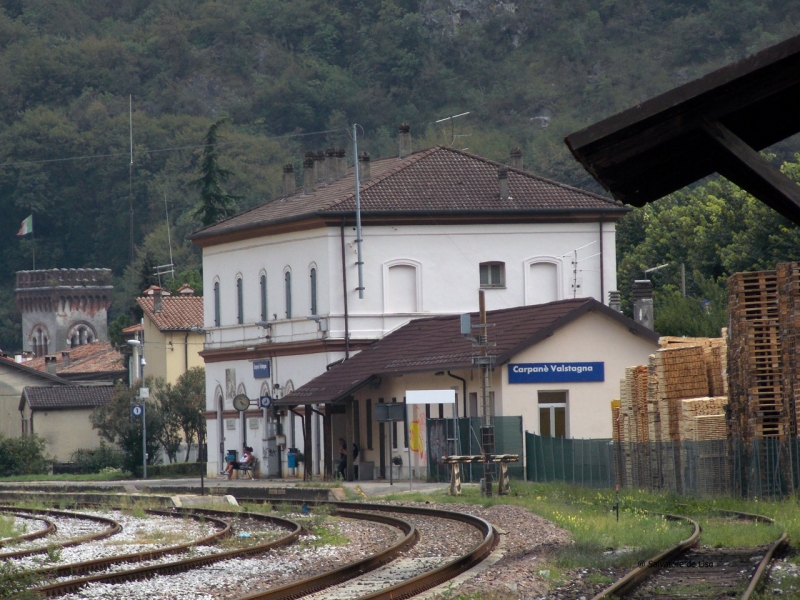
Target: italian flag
26, 227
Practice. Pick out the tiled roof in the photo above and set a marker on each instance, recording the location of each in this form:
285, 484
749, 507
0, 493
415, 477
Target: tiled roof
178, 312
26, 368
73, 396
93, 358
436, 344
433, 181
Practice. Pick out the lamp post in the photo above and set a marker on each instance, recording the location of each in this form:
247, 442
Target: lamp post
136, 344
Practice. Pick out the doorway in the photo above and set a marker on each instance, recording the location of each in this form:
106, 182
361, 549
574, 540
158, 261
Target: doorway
553, 414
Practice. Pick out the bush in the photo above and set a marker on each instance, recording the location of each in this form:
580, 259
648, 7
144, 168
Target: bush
22, 456
192, 469
95, 460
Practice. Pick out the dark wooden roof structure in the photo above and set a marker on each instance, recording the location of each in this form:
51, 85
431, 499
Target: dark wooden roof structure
436, 344
717, 123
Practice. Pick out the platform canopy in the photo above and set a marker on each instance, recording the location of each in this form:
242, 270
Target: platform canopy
715, 124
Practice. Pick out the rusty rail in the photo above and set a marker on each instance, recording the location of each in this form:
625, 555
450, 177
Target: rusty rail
34, 535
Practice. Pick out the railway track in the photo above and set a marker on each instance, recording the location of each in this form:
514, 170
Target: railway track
688, 570
403, 569
49, 529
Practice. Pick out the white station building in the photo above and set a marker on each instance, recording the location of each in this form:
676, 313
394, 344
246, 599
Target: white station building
285, 298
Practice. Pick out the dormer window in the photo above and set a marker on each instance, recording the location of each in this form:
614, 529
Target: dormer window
493, 275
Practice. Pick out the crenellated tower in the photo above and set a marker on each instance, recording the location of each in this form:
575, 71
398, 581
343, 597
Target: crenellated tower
63, 308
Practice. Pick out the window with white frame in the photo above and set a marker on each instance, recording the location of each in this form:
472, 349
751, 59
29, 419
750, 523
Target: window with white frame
216, 304
313, 276
264, 297
493, 274
287, 282
239, 301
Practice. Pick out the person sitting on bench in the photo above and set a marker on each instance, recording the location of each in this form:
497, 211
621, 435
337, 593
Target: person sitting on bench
246, 461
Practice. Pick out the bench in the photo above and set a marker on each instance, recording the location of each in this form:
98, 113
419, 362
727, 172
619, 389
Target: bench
248, 469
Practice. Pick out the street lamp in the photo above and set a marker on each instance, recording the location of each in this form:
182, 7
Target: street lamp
136, 344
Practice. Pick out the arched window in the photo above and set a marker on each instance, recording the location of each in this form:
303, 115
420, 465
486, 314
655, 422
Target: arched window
313, 291
402, 286
264, 298
287, 280
216, 304
239, 301
542, 280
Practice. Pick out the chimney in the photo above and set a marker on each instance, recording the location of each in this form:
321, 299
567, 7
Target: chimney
516, 159
65, 358
341, 163
330, 162
614, 303
319, 167
404, 136
502, 180
50, 364
364, 173
186, 290
308, 173
288, 180
643, 302
158, 302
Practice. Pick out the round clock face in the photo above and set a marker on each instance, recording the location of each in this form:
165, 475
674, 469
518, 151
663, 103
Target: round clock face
241, 402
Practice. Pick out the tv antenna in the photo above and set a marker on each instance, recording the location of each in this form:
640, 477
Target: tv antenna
452, 127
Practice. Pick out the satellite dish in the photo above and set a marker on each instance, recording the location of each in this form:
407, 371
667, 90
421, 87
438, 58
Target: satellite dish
241, 402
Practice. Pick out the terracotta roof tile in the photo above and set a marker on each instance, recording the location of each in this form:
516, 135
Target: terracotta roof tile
179, 313
93, 358
435, 344
74, 396
436, 180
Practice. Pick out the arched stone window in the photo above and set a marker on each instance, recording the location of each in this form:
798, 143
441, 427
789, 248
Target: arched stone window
402, 286
216, 304
80, 334
543, 278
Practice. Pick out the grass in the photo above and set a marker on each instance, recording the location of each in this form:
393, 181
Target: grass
90, 477
9, 527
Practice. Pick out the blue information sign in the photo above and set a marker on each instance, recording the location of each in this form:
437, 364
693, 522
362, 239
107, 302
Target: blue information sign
136, 410
265, 401
556, 372
261, 369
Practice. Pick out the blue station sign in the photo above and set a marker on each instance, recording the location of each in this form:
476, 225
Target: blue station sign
261, 369
556, 372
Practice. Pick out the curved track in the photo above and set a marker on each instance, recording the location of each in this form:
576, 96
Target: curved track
40, 533
688, 570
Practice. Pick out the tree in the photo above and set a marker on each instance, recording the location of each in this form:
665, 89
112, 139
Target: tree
115, 424
215, 203
169, 426
189, 404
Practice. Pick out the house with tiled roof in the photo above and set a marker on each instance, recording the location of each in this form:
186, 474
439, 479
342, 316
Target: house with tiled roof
61, 416
171, 331
293, 288
92, 361
14, 377
557, 368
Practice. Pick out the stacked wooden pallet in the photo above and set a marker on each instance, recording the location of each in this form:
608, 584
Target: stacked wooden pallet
681, 373
789, 321
758, 406
653, 414
703, 419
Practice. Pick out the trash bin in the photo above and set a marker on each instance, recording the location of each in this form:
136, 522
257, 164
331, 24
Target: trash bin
291, 458
232, 455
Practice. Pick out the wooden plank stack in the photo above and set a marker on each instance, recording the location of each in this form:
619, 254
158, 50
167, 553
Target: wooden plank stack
701, 419
789, 320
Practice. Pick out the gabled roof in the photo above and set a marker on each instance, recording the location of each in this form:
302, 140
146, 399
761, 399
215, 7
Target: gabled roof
436, 344
89, 361
433, 182
26, 368
178, 313
61, 397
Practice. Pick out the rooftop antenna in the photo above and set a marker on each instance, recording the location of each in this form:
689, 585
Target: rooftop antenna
130, 170
452, 126
169, 238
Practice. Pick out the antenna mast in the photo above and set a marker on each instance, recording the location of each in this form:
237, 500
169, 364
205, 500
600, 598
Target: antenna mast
169, 238
130, 170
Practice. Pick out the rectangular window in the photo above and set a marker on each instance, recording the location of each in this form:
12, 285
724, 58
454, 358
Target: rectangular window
493, 275
553, 414
368, 408
264, 313
313, 291
216, 304
288, 283
239, 302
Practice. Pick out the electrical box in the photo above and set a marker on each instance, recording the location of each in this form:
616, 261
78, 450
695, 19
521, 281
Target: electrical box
466, 324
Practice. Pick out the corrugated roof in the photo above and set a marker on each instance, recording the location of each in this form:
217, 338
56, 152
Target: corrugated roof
58, 397
178, 313
436, 344
93, 358
433, 181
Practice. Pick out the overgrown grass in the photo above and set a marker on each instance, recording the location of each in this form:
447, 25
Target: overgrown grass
14, 582
9, 527
65, 477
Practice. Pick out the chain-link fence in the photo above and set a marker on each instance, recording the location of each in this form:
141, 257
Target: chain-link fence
443, 441
764, 468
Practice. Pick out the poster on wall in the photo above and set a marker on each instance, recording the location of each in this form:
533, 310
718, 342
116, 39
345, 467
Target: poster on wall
230, 383
416, 433
556, 372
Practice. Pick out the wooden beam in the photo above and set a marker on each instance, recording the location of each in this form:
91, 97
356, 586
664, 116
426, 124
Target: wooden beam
348, 428
327, 435
745, 167
307, 446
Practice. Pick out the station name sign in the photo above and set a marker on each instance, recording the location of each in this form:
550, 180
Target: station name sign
261, 369
556, 372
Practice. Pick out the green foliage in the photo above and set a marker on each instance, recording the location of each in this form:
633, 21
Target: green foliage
115, 328
703, 315
14, 581
182, 408
22, 456
215, 203
96, 460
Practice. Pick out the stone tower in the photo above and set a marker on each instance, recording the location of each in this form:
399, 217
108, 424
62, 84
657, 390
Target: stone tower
63, 308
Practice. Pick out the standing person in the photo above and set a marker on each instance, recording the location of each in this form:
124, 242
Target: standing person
355, 459
342, 466
246, 459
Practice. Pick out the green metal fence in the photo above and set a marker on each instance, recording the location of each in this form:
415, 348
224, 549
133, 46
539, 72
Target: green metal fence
442, 442
587, 463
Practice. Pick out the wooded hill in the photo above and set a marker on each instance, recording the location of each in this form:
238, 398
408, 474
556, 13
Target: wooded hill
529, 73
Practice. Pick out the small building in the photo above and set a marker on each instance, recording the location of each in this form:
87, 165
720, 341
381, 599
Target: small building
557, 365
93, 361
60, 415
172, 332
14, 377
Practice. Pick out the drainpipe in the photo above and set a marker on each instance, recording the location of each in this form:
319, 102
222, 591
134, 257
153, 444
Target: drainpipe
344, 290
602, 280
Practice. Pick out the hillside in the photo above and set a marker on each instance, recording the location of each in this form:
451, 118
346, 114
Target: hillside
529, 73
